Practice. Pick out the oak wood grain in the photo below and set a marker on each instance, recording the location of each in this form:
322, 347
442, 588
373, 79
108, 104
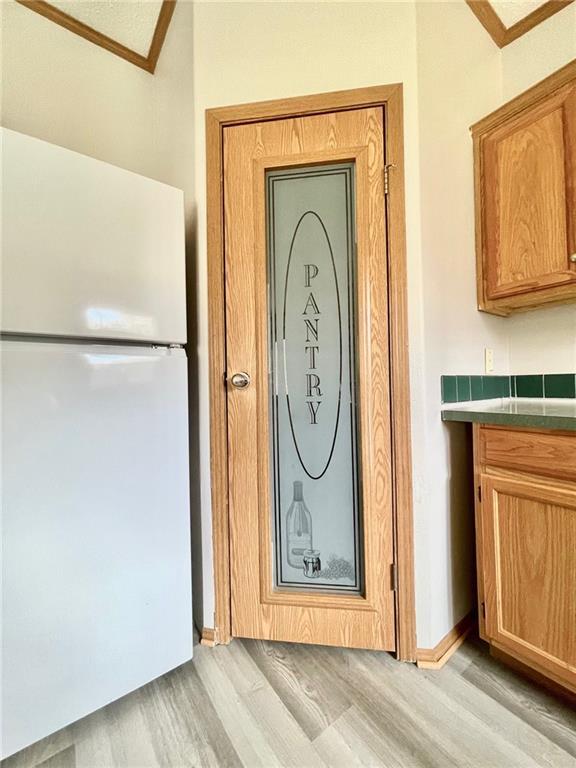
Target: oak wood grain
400, 416
525, 202
218, 399
311, 104
258, 611
442, 652
208, 637
529, 561
525, 198
390, 97
526, 546
479, 468
545, 453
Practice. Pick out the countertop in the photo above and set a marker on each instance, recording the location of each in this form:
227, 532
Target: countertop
516, 412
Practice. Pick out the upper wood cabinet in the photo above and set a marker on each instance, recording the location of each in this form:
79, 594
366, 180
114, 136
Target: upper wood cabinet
525, 191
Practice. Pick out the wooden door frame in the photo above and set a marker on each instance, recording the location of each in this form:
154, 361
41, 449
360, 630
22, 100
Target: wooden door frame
390, 97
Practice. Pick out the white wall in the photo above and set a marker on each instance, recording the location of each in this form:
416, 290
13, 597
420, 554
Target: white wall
544, 341
552, 330
63, 89
459, 81
540, 52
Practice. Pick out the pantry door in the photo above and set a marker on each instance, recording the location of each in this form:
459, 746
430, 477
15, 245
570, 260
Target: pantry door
308, 394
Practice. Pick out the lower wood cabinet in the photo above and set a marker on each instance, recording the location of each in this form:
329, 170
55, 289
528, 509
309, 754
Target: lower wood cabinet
526, 549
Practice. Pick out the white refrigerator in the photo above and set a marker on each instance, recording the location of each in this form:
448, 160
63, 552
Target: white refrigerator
96, 565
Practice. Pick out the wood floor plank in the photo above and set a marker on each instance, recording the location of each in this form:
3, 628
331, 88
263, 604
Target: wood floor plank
64, 759
428, 715
41, 751
117, 736
242, 728
476, 729
547, 714
339, 750
277, 727
373, 745
244, 675
289, 742
184, 725
501, 720
310, 695
393, 732
93, 746
264, 705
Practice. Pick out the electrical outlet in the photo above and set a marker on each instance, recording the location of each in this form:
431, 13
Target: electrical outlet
488, 360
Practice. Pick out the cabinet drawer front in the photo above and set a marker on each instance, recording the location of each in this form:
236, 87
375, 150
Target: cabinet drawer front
553, 455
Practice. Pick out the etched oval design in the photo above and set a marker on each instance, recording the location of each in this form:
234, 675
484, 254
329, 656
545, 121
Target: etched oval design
312, 345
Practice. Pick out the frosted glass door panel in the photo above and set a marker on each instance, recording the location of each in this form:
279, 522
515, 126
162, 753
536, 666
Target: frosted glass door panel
314, 432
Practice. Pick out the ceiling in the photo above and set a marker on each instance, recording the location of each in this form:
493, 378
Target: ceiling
511, 11
133, 30
131, 24
136, 30
507, 20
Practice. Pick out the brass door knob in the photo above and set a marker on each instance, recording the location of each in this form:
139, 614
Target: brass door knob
573, 258
240, 380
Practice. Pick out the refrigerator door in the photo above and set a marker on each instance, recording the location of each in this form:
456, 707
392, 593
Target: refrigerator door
88, 249
96, 573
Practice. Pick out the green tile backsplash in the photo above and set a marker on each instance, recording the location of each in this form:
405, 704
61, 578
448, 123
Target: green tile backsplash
449, 389
529, 386
476, 388
495, 386
463, 387
559, 385
457, 389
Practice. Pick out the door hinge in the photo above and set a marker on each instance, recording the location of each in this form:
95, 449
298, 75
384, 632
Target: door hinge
479, 493
387, 177
483, 609
394, 577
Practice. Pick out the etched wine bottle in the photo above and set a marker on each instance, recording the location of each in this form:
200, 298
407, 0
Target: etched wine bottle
299, 528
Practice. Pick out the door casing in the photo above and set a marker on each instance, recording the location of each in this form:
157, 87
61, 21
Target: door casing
390, 97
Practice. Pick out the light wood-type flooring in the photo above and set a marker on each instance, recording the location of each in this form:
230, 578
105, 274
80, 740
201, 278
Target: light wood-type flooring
271, 704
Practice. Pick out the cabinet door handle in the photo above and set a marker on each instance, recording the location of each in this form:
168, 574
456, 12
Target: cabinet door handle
573, 258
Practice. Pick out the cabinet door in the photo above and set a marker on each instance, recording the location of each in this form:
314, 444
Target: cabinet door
529, 561
529, 190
